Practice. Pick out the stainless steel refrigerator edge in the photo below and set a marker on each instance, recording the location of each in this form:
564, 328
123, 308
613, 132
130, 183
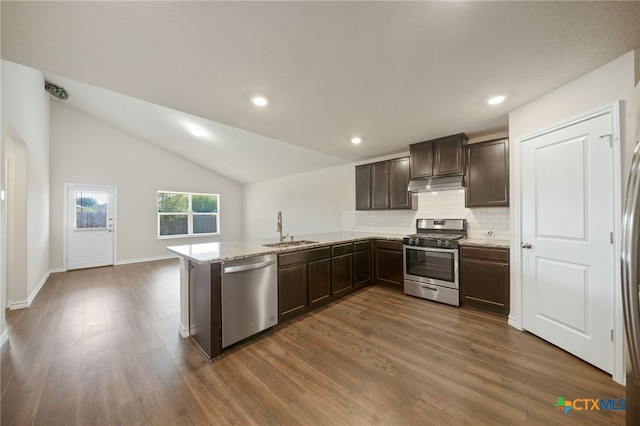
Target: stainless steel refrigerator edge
631, 289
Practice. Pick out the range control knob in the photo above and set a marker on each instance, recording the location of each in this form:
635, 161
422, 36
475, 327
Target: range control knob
446, 243
439, 243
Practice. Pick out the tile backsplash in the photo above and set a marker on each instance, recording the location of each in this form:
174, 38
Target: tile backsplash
486, 223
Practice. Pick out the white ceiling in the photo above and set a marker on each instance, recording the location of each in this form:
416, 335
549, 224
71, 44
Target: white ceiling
394, 73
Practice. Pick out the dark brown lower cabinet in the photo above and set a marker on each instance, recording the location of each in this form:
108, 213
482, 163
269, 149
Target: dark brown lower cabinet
292, 290
484, 278
388, 262
362, 264
310, 278
319, 281
342, 274
303, 279
341, 268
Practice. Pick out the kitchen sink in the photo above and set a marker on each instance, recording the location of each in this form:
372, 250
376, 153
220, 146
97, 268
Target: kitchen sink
290, 243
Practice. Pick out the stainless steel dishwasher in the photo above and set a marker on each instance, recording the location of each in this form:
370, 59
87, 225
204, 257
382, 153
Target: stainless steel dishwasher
249, 297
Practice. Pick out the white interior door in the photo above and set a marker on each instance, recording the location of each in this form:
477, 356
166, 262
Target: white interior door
90, 226
567, 219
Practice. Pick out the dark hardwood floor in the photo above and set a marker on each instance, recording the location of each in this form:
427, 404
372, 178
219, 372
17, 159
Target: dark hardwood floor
101, 346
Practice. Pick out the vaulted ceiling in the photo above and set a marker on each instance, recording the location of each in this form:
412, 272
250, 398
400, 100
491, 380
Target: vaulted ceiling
393, 73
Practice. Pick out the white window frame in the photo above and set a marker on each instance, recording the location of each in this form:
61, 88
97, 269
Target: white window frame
190, 214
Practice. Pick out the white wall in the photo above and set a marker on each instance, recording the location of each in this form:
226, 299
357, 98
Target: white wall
25, 118
605, 85
612, 82
87, 151
310, 202
16, 209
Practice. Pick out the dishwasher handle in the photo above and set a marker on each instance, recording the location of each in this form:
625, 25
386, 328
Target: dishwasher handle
241, 268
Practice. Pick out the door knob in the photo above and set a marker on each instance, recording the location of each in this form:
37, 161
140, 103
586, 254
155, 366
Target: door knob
525, 245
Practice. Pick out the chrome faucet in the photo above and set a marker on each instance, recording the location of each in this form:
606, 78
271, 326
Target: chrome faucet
279, 228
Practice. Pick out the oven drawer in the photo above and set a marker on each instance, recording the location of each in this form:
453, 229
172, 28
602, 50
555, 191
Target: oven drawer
432, 292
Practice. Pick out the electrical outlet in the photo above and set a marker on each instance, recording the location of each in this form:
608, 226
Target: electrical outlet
489, 233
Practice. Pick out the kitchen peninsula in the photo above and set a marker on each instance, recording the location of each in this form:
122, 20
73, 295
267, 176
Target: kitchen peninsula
338, 257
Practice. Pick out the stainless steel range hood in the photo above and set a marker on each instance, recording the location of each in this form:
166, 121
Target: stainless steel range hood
447, 183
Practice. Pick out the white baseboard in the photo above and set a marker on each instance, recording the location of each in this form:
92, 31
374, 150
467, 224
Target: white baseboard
145, 259
18, 305
4, 338
513, 323
184, 331
21, 304
35, 292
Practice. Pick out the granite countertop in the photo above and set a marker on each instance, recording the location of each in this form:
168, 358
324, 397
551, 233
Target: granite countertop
477, 242
225, 251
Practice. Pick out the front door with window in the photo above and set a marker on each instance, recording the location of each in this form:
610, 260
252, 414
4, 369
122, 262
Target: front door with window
90, 226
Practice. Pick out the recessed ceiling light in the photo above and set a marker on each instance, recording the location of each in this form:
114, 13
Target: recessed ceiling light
259, 101
496, 100
197, 131
356, 140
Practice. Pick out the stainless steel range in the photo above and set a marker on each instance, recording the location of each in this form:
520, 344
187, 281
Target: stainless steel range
431, 260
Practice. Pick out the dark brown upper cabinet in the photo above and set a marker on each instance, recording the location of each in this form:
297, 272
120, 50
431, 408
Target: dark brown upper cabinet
487, 174
380, 185
438, 157
363, 187
421, 155
384, 185
399, 175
